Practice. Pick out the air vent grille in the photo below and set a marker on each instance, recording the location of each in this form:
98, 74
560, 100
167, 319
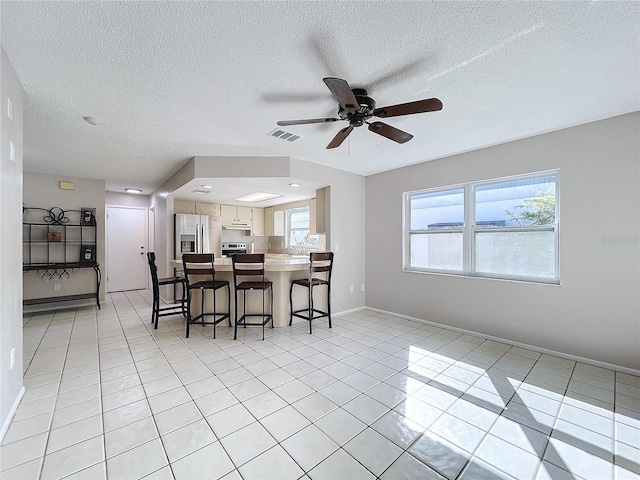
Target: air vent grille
284, 135
202, 191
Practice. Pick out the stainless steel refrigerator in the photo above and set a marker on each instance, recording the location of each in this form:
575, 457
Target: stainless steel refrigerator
197, 234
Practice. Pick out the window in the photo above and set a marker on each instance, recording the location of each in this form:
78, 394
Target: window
504, 228
298, 233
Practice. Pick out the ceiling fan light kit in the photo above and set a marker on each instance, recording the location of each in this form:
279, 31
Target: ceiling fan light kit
356, 107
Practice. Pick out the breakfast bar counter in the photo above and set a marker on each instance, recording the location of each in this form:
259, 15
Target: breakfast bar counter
280, 269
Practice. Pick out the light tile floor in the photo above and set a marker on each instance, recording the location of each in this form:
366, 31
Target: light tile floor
376, 396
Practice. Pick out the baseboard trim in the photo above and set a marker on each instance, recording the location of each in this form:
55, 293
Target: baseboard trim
575, 358
12, 412
347, 312
47, 307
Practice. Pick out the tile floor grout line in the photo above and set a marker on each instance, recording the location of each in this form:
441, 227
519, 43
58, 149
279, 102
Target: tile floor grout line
55, 403
555, 422
129, 314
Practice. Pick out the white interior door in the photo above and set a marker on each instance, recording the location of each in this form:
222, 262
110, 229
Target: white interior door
126, 248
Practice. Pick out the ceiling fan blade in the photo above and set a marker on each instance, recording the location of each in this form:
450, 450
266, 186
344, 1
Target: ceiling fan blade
340, 136
390, 132
284, 123
342, 92
421, 106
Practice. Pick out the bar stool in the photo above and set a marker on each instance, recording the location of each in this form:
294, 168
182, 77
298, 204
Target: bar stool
319, 262
202, 264
156, 283
250, 266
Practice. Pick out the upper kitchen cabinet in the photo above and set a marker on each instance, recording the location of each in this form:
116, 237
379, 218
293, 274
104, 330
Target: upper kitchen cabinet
268, 222
278, 223
257, 222
236, 218
184, 206
211, 209
233, 213
189, 206
273, 222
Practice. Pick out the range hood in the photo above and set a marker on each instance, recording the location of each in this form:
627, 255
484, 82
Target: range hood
236, 226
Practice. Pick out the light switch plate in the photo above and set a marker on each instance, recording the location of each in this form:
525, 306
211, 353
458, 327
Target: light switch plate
12, 151
9, 108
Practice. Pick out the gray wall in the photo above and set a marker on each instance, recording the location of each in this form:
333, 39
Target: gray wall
595, 312
10, 245
344, 209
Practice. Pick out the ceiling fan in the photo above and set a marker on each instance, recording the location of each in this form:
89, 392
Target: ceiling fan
357, 108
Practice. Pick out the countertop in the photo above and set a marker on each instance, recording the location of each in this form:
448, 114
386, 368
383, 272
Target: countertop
274, 262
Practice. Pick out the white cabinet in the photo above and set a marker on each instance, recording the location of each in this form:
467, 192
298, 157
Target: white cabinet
278, 223
228, 213
273, 222
257, 222
189, 206
233, 213
184, 206
244, 214
211, 209
268, 222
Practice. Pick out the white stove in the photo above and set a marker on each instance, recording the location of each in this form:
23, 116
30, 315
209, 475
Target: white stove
230, 249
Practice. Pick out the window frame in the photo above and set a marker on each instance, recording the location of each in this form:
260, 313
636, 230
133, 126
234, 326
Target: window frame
470, 230
287, 227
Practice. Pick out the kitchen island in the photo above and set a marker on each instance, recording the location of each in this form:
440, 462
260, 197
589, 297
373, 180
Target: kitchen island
280, 269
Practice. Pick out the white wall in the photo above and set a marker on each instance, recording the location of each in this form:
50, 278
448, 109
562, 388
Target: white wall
42, 190
595, 312
127, 199
10, 245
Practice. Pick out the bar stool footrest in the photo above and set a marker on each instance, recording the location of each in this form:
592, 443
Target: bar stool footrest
299, 314
243, 320
216, 321
177, 309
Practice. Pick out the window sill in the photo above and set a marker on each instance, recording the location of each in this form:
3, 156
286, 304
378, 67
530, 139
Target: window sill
552, 282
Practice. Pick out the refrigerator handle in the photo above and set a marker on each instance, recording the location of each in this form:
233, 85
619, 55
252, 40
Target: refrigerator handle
201, 238
197, 237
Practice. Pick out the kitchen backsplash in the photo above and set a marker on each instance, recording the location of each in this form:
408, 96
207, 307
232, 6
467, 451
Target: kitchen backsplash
265, 244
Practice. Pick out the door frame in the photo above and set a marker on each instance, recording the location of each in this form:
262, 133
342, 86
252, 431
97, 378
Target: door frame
106, 239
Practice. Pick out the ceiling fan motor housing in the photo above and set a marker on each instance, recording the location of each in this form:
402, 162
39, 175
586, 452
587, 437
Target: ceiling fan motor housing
366, 106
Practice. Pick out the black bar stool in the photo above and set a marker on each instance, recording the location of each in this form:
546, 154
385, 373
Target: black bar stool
319, 262
251, 267
156, 283
202, 264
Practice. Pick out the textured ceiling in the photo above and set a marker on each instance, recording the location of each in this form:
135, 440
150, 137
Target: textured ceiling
170, 80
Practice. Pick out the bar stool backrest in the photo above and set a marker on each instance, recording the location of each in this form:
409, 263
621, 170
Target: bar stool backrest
151, 258
190, 259
321, 262
248, 265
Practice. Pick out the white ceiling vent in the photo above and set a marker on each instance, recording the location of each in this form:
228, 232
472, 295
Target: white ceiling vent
284, 135
202, 191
